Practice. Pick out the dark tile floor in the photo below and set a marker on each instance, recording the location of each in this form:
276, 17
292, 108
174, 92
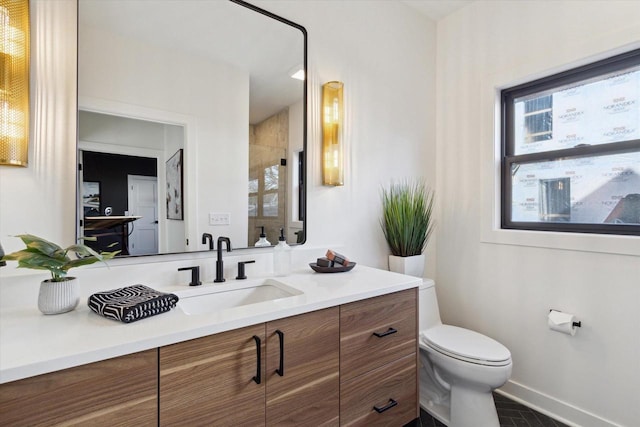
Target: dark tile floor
510, 413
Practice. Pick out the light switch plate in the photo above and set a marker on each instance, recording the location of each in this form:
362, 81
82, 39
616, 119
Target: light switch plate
219, 218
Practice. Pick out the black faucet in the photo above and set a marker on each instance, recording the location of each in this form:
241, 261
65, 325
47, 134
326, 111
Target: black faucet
209, 237
195, 275
241, 274
219, 265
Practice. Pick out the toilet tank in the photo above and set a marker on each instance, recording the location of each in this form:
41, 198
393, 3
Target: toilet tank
429, 314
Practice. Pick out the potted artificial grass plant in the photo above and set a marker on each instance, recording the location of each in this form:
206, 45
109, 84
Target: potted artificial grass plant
407, 224
60, 293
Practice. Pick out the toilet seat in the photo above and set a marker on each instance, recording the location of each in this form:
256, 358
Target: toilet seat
466, 345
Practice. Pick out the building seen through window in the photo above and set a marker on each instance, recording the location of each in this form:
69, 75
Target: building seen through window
571, 150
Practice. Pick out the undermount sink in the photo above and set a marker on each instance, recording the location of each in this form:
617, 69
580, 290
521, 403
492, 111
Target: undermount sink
236, 294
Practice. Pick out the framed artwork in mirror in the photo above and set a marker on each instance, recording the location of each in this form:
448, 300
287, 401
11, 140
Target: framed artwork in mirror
174, 186
91, 198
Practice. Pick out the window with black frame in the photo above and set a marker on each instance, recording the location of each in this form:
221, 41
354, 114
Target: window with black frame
571, 150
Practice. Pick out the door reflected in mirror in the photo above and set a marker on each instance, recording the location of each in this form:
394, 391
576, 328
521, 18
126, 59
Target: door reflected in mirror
196, 130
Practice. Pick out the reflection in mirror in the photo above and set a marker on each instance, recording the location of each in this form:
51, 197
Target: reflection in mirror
125, 158
200, 129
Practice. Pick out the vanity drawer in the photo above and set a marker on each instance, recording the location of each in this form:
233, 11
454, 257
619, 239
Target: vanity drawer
391, 388
393, 316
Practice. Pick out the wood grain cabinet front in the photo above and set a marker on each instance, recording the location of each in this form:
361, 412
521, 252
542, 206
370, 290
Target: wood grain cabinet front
216, 380
378, 360
224, 380
384, 397
303, 386
116, 392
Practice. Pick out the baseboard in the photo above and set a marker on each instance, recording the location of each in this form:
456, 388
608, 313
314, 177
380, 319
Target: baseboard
552, 407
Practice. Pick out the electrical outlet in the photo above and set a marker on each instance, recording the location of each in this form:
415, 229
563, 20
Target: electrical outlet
219, 218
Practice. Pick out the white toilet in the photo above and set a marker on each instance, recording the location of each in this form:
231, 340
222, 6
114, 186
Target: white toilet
459, 368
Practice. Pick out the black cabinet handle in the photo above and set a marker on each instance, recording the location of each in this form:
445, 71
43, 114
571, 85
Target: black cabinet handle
280, 370
257, 378
389, 405
387, 332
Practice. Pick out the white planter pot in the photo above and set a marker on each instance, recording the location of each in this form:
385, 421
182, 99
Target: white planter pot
411, 265
58, 297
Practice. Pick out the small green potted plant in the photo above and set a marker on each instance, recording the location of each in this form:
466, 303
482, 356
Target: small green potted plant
59, 294
407, 224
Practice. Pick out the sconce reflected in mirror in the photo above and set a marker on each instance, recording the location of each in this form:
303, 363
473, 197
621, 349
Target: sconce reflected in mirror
14, 82
332, 151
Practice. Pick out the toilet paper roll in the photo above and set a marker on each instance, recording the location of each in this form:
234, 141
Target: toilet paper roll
561, 322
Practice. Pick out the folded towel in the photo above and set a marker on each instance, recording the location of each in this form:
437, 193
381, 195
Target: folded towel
131, 303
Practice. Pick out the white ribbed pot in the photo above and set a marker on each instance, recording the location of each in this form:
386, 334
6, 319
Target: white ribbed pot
58, 297
411, 265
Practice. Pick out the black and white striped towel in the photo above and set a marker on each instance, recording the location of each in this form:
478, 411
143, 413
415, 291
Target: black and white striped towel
131, 303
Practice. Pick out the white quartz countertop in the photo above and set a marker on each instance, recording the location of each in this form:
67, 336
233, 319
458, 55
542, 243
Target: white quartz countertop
33, 344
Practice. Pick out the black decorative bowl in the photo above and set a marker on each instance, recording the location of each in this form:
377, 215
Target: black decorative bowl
337, 269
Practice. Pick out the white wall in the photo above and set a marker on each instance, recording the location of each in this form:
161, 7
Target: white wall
505, 291
117, 131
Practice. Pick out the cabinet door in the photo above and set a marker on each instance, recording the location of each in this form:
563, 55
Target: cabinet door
116, 392
306, 391
211, 381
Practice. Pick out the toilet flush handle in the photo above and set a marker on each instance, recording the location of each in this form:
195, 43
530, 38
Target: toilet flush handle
387, 332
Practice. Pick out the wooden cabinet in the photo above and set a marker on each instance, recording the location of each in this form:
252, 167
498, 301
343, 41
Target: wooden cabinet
378, 360
116, 392
214, 381
350, 365
303, 386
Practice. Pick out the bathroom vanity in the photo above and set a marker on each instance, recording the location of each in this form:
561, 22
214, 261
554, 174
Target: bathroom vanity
341, 351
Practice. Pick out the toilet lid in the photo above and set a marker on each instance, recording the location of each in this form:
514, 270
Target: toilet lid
466, 345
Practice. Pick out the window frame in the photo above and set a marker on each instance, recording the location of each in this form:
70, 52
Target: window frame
507, 139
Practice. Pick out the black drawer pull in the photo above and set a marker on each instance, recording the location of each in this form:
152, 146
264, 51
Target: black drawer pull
257, 378
389, 405
384, 334
280, 370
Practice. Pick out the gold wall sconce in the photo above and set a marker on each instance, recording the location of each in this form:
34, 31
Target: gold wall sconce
14, 82
332, 145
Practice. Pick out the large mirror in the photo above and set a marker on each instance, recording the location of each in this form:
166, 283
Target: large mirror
191, 122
